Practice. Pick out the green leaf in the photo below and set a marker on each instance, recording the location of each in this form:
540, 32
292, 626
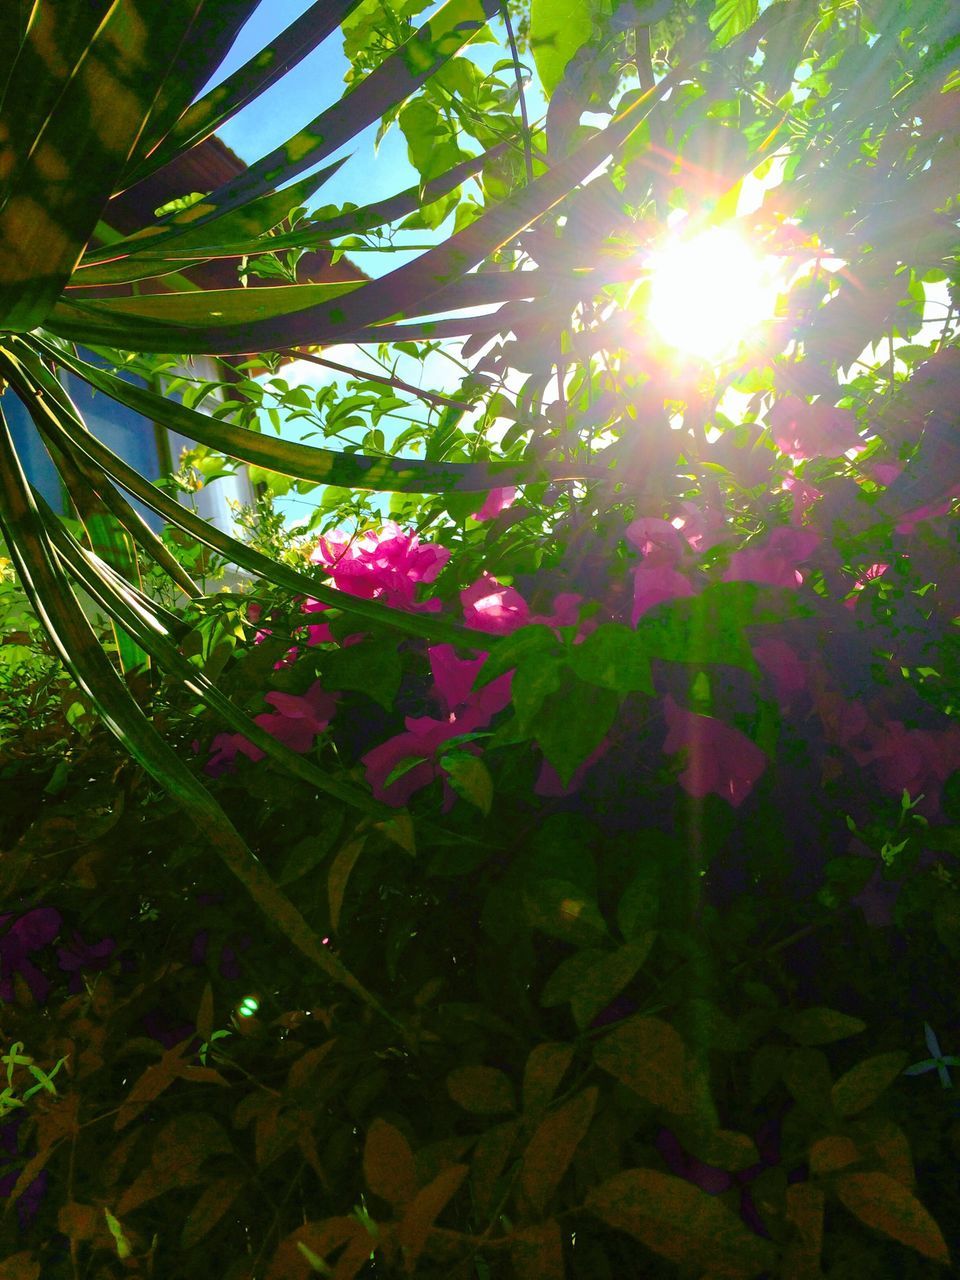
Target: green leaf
863, 1084
470, 778
886, 1205
545, 1068
388, 1165
58, 176
343, 865
639, 907
525, 646
613, 656
372, 667
212, 1203
820, 1026
561, 910
221, 103
115, 1228
591, 979
680, 1222
483, 1091
558, 28
648, 1056
709, 627
731, 17
309, 852
572, 723
552, 1147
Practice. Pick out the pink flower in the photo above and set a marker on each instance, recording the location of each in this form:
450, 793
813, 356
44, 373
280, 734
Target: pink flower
842, 721
317, 632
788, 673
656, 578
453, 680
886, 472
702, 528
497, 500
720, 759
566, 611
420, 743
812, 430
775, 562
298, 719
489, 606
910, 519
385, 566
918, 761
466, 710
224, 750
652, 584
656, 538
804, 496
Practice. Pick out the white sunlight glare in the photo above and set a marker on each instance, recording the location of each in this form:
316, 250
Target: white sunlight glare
709, 291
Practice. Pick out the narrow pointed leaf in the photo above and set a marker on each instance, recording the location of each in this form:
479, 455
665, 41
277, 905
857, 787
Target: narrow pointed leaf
70, 632
398, 76
886, 1205
327, 466
60, 181
135, 613
180, 231
46, 399
220, 237
279, 574
221, 103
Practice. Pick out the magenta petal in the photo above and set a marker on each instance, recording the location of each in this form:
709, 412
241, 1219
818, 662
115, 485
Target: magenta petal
720, 759
489, 606
497, 500
453, 676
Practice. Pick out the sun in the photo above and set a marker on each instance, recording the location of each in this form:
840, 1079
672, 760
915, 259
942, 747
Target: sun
710, 291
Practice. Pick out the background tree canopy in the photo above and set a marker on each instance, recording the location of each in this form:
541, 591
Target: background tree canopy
596, 738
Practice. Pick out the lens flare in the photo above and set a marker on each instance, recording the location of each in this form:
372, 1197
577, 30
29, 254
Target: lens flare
709, 292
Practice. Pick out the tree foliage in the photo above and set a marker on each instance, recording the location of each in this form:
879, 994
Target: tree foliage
599, 769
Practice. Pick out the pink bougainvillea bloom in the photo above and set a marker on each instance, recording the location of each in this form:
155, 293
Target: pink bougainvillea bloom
653, 583
702, 527
317, 632
918, 761
453, 680
465, 709
34, 930
497, 500
224, 750
775, 562
383, 566
657, 538
421, 742
886, 472
566, 611
720, 759
842, 721
784, 667
805, 430
298, 719
909, 520
804, 496
489, 606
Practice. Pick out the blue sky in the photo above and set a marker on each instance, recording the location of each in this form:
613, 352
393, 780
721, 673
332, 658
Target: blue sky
303, 93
